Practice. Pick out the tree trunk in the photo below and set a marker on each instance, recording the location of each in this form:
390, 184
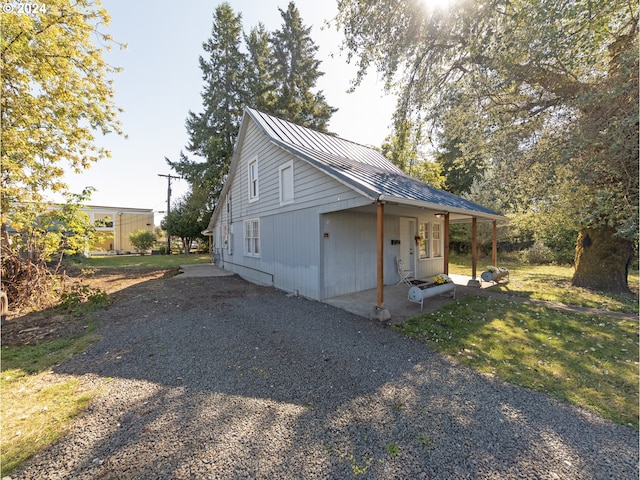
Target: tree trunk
602, 260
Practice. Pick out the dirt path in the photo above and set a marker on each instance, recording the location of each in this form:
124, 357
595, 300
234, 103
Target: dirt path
35, 327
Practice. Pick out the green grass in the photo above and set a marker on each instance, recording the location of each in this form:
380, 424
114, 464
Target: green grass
588, 360
552, 283
35, 413
141, 261
36, 404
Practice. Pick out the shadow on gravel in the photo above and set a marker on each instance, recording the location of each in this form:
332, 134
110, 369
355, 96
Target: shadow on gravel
218, 378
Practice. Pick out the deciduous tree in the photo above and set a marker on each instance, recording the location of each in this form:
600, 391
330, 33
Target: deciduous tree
551, 88
186, 220
56, 95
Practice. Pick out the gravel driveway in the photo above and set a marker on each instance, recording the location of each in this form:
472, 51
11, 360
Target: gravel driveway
217, 378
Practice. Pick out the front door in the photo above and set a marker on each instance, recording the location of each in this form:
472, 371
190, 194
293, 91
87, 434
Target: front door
407, 242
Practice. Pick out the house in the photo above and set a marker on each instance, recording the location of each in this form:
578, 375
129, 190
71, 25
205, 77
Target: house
320, 216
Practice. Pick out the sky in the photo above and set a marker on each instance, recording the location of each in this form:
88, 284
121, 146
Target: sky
161, 82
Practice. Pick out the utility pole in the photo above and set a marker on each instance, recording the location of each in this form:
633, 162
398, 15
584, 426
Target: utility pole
169, 178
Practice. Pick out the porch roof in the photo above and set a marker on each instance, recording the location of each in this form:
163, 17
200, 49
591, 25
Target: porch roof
363, 168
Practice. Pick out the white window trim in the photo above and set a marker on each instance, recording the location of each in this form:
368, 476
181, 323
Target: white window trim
245, 238
256, 197
438, 240
430, 241
426, 240
282, 167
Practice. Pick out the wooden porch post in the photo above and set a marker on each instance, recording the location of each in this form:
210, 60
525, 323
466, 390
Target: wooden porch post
494, 245
379, 311
446, 244
474, 247
380, 235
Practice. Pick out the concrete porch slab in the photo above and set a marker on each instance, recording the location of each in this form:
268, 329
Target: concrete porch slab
396, 301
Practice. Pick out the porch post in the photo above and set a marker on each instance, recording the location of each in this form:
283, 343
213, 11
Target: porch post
494, 246
446, 244
379, 311
474, 282
474, 247
380, 235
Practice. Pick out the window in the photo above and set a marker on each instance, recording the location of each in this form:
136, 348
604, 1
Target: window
102, 220
430, 240
252, 238
435, 235
424, 240
286, 183
253, 180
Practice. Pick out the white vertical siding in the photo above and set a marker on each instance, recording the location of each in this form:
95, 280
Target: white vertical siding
291, 245
289, 234
320, 244
350, 249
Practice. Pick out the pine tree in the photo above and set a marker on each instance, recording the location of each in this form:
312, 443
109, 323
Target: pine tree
212, 133
296, 73
259, 71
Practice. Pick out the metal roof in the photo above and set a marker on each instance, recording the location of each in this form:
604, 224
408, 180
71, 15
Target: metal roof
360, 167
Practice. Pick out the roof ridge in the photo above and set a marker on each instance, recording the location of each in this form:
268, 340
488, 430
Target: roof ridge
297, 125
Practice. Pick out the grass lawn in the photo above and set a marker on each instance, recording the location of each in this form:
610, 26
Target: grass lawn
36, 405
590, 360
141, 261
552, 283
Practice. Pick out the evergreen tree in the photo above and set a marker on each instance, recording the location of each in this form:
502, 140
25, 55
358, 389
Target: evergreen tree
259, 71
212, 133
296, 73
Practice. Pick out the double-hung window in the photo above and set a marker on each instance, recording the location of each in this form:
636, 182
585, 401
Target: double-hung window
430, 240
253, 180
424, 240
435, 235
252, 238
285, 180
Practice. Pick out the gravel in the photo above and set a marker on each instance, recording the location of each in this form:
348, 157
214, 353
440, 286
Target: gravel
217, 378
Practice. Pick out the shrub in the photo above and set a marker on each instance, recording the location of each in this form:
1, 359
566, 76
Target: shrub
143, 240
539, 254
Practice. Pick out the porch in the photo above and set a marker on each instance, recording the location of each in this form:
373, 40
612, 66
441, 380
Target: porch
395, 300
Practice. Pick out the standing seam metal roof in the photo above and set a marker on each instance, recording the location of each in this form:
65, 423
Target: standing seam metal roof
359, 166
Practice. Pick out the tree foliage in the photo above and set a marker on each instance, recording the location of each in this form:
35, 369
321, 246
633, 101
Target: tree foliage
261, 84
552, 109
274, 72
213, 131
56, 93
296, 72
143, 240
187, 220
31, 263
403, 149
56, 97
